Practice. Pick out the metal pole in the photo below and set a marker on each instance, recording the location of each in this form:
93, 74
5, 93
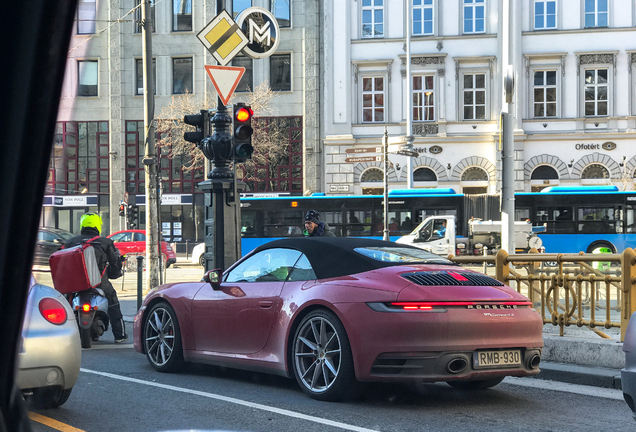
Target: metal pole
385, 155
140, 278
507, 136
409, 96
150, 157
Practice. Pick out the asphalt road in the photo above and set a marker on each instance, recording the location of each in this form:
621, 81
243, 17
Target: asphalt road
119, 391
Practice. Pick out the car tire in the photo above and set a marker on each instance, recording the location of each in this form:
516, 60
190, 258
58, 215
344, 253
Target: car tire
86, 337
162, 338
48, 397
476, 384
321, 341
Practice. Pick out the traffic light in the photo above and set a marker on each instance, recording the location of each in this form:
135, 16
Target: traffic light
133, 216
122, 210
202, 122
242, 133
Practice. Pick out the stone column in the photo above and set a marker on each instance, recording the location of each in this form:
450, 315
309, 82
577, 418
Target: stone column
311, 92
117, 146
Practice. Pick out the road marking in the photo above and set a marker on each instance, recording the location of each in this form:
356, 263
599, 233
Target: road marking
234, 401
63, 427
565, 387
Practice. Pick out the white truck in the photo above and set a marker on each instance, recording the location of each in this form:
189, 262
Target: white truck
437, 234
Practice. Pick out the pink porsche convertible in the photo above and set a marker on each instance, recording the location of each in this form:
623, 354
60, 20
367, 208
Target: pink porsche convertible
334, 312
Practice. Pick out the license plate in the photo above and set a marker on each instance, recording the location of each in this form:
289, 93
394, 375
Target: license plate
493, 359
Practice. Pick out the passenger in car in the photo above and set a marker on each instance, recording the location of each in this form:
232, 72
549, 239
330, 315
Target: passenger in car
314, 227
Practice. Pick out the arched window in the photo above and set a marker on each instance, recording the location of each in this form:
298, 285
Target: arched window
474, 174
424, 174
595, 171
372, 175
544, 172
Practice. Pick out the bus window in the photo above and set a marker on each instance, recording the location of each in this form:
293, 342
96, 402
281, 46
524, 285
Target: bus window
334, 220
358, 223
248, 223
557, 219
597, 220
522, 214
630, 224
283, 223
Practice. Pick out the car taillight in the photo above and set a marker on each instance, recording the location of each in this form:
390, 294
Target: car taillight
53, 311
86, 307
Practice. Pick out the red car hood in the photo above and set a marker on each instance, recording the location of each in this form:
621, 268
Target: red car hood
390, 279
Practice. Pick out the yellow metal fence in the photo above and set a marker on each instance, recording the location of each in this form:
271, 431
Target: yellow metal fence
570, 289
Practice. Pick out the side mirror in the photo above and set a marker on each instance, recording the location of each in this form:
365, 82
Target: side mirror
57, 240
213, 277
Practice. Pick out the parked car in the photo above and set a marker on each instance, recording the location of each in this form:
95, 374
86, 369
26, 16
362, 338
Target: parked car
134, 241
197, 254
50, 353
334, 311
49, 240
628, 374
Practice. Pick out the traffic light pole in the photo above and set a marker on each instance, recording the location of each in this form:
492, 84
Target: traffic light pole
222, 207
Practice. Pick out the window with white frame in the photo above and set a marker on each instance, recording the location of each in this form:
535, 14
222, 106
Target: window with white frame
373, 99
86, 15
474, 16
422, 17
596, 92
372, 18
545, 14
423, 98
474, 96
596, 13
87, 73
545, 93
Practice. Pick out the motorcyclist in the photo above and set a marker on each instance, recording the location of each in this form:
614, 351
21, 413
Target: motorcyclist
109, 259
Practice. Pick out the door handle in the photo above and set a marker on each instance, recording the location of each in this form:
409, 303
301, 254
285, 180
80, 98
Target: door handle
265, 304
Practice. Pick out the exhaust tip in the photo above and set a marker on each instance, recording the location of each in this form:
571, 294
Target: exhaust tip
457, 365
534, 361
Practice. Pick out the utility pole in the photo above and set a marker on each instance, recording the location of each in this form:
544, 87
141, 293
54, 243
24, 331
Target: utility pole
150, 157
409, 96
507, 135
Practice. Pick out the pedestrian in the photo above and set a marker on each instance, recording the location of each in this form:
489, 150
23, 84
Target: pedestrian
109, 263
314, 227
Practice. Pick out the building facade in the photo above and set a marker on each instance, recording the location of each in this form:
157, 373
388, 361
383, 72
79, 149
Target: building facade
574, 102
99, 145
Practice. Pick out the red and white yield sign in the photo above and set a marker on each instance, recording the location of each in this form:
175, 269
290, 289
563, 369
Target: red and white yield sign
225, 80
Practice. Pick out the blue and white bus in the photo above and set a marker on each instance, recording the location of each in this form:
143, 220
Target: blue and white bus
576, 218
581, 218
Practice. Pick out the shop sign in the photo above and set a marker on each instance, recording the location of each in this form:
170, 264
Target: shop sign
435, 149
609, 146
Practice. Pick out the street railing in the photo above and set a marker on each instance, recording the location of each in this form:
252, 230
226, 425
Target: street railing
567, 289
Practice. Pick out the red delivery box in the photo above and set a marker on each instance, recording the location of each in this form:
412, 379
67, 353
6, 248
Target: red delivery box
75, 269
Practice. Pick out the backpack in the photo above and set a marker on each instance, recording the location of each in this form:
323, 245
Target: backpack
75, 269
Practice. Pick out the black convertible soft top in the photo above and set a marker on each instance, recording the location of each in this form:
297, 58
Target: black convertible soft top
335, 256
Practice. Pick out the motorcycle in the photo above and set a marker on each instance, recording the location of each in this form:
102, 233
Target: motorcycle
91, 313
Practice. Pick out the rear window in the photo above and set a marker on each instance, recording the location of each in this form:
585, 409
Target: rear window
402, 255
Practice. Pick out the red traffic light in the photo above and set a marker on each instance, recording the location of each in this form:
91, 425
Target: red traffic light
243, 114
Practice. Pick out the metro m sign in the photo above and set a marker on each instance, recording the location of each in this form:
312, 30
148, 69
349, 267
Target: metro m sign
262, 31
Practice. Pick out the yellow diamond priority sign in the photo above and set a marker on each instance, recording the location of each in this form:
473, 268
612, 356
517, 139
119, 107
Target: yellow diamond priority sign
223, 38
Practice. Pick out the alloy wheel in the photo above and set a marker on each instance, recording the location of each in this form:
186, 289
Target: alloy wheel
317, 354
159, 337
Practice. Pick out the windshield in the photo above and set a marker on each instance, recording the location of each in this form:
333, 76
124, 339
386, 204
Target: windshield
401, 255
